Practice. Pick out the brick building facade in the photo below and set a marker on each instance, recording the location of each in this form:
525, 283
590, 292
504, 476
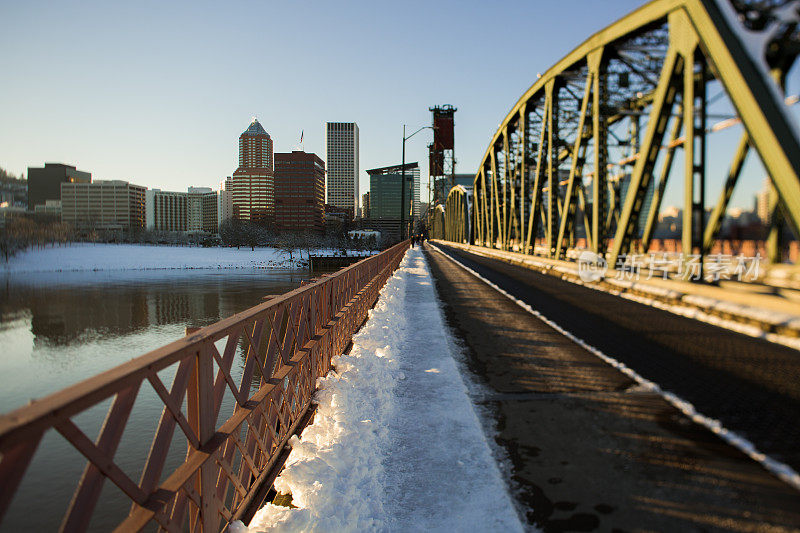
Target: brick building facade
299, 192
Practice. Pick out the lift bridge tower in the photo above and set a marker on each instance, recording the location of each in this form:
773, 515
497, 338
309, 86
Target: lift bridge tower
441, 155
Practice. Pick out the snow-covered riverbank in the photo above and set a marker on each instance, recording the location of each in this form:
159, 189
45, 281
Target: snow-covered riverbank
88, 257
396, 444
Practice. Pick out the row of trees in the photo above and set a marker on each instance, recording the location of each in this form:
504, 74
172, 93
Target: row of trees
24, 232
238, 233
21, 233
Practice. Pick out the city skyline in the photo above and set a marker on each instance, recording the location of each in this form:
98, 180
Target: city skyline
209, 324
127, 96
108, 101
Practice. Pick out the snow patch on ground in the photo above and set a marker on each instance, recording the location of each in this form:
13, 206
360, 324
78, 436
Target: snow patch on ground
88, 256
481, 396
395, 444
777, 468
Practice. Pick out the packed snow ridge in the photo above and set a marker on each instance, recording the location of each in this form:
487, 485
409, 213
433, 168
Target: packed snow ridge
396, 444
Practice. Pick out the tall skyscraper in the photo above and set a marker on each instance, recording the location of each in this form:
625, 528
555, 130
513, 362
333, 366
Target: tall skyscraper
299, 192
342, 161
252, 184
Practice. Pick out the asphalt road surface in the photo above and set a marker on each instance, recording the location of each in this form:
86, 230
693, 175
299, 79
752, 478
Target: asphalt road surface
751, 385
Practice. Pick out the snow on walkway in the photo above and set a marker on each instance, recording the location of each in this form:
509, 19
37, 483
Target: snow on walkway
395, 444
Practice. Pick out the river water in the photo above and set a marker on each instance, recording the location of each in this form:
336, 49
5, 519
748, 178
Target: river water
57, 329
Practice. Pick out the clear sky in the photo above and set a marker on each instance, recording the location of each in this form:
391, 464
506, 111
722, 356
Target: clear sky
157, 93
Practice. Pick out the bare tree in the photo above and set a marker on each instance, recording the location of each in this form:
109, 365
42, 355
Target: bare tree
288, 243
22, 232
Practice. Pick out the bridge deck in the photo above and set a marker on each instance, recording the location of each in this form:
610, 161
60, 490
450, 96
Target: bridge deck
593, 451
395, 444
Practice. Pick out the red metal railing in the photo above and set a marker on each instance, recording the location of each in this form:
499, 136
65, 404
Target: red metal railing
288, 341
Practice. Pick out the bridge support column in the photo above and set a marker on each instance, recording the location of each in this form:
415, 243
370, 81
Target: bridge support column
658, 193
600, 135
508, 193
664, 97
566, 228
522, 125
694, 118
552, 167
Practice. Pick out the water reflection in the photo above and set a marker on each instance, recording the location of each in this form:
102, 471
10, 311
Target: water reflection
57, 329
86, 322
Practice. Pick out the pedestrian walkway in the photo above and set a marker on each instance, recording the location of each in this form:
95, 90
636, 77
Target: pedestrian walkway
591, 449
396, 444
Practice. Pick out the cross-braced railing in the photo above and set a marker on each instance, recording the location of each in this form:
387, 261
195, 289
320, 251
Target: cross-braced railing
286, 344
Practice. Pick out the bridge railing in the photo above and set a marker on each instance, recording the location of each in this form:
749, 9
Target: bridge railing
287, 343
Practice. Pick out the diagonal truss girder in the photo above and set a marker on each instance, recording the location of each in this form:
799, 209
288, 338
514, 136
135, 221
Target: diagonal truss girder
550, 156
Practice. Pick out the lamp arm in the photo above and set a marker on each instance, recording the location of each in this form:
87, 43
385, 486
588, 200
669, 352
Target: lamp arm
419, 130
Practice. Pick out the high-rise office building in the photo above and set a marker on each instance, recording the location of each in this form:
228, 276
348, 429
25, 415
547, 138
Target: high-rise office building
201, 210
341, 156
299, 192
45, 183
252, 185
193, 211
385, 192
384, 199
103, 205
365, 205
165, 210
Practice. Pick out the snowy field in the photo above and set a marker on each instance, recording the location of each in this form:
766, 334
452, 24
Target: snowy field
85, 256
396, 444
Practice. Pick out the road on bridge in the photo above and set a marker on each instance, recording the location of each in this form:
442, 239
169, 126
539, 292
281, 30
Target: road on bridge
591, 449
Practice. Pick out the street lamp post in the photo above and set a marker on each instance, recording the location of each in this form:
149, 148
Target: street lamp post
403, 181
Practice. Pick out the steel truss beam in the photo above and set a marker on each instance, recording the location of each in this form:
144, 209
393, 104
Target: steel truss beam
552, 158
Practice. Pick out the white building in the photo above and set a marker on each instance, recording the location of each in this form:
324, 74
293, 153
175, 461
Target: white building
165, 210
341, 141
192, 211
201, 210
224, 201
